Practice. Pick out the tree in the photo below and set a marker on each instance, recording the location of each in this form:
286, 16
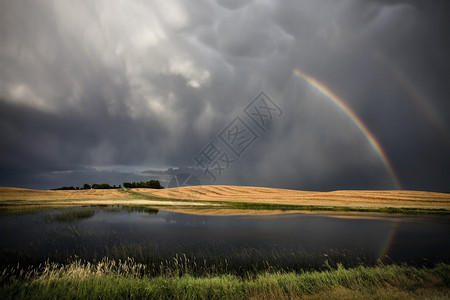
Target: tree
86, 186
151, 184
65, 188
104, 186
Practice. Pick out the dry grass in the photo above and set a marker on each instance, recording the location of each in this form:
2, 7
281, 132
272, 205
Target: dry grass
8, 193
179, 199
29, 197
364, 199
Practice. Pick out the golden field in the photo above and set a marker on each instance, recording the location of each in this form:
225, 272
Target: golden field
370, 199
27, 197
212, 199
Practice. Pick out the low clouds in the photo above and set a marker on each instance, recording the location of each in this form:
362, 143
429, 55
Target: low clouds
86, 87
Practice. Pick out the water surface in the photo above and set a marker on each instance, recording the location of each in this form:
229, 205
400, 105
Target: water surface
291, 240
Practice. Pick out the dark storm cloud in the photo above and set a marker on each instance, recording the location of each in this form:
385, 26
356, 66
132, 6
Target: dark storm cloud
108, 89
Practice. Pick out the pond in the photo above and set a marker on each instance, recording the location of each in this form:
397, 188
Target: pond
233, 243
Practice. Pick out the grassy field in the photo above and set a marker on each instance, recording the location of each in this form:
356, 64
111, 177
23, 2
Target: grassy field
228, 200
128, 280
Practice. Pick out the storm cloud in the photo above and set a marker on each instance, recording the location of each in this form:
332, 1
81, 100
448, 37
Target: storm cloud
112, 91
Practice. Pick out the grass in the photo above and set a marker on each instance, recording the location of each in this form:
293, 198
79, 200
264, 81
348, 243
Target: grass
291, 207
127, 279
73, 214
181, 259
128, 208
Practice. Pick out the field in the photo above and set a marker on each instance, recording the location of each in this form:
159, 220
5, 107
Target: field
226, 200
141, 270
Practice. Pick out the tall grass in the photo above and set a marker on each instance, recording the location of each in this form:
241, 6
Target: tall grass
72, 214
128, 208
207, 261
127, 279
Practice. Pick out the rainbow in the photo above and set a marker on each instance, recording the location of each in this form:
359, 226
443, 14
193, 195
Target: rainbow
409, 88
388, 241
354, 118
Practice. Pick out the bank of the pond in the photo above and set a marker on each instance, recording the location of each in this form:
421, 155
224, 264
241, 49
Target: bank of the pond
127, 280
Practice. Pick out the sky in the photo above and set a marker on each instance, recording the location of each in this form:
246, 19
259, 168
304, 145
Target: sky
308, 95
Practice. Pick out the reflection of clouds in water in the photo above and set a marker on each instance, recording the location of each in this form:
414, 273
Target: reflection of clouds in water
186, 220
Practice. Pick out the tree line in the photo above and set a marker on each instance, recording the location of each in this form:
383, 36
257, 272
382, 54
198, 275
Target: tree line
151, 184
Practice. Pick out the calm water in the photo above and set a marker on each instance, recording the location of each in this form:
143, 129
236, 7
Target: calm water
92, 233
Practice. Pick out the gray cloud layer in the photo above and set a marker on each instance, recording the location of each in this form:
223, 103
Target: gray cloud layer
103, 90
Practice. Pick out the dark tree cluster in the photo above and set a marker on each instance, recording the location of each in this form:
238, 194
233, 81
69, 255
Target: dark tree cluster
151, 184
103, 186
67, 188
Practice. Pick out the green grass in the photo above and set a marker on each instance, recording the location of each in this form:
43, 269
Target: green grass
109, 279
385, 210
139, 195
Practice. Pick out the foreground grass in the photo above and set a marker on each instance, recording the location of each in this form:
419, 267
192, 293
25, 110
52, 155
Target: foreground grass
127, 279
